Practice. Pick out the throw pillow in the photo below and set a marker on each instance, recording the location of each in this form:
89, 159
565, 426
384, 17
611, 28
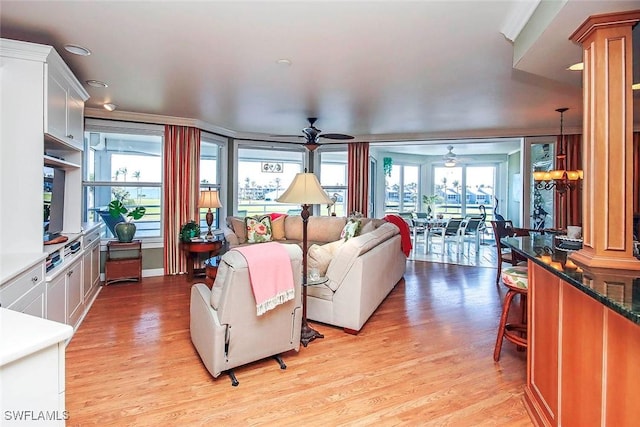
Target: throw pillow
277, 227
350, 229
239, 229
319, 257
258, 229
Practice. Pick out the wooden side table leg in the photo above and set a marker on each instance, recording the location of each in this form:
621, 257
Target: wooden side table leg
190, 262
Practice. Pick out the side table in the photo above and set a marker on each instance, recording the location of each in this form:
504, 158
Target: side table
211, 270
193, 251
124, 262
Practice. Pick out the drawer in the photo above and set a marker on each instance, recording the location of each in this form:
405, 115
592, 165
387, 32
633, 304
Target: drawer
21, 285
33, 302
90, 238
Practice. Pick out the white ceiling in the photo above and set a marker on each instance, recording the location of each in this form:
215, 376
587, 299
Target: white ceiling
378, 70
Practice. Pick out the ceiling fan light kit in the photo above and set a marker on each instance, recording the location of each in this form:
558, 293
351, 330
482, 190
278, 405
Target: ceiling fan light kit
449, 158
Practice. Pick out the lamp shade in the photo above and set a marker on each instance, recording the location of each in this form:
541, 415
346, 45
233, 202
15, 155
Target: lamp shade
209, 199
305, 190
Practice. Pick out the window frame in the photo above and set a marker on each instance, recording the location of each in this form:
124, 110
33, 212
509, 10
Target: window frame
101, 126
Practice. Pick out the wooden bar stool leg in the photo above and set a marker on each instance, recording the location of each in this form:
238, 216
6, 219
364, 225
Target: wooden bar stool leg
503, 323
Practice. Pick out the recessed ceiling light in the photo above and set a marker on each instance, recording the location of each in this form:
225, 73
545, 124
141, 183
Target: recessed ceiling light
96, 83
283, 61
77, 50
110, 107
576, 67
635, 86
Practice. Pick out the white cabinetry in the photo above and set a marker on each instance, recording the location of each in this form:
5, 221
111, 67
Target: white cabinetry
74, 293
26, 292
73, 279
56, 300
91, 264
29, 100
64, 100
32, 369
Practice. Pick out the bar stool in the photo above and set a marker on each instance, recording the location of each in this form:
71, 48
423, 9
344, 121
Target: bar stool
516, 281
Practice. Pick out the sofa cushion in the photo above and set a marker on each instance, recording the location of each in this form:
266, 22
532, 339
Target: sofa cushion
239, 228
319, 228
367, 226
277, 227
258, 228
346, 254
320, 256
293, 227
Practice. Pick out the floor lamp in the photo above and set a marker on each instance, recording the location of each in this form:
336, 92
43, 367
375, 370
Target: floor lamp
209, 199
305, 190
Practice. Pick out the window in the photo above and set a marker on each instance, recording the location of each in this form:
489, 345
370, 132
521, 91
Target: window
263, 175
210, 149
124, 161
472, 184
403, 177
333, 178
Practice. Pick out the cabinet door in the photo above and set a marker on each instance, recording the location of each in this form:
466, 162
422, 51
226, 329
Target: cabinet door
74, 292
56, 118
75, 123
87, 279
543, 336
95, 265
56, 301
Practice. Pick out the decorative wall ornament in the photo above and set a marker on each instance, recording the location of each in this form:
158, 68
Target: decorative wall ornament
272, 167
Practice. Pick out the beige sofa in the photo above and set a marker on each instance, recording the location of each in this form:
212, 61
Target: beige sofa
360, 271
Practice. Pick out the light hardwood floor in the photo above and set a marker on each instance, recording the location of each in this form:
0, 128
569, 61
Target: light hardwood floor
424, 358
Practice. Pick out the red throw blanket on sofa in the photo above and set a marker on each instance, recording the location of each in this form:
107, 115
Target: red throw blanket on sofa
405, 232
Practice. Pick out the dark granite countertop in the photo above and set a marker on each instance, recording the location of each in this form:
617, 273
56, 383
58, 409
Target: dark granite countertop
619, 290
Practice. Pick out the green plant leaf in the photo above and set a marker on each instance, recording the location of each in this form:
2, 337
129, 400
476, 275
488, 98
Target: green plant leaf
138, 212
116, 208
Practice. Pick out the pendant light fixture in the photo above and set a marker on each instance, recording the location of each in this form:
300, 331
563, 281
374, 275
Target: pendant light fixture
558, 178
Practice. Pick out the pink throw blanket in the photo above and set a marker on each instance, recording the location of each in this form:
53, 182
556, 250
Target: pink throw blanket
270, 274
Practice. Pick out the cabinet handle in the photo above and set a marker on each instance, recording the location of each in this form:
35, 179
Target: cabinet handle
70, 136
70, 273
34, 279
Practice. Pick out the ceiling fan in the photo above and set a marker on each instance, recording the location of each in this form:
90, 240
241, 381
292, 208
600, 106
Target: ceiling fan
312, 135
450, 158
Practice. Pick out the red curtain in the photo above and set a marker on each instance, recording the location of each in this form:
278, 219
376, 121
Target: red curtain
358, 182
181, 190
568, 206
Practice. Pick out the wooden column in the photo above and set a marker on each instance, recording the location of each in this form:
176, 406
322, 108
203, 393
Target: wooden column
608, 150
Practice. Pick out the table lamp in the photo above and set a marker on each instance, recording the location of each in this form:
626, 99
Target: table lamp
305, 190
209, 199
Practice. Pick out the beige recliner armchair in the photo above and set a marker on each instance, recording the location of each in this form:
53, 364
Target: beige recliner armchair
225, 329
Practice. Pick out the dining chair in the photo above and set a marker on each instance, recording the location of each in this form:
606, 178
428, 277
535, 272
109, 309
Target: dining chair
452, 232
470, 230
503, 229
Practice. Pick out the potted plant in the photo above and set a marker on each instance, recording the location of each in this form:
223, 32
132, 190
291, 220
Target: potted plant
430, 202
127, 229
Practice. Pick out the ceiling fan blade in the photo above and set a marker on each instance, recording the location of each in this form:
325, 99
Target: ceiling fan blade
336, 136
286, 136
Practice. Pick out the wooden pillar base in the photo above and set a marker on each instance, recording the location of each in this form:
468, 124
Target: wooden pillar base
587, 257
